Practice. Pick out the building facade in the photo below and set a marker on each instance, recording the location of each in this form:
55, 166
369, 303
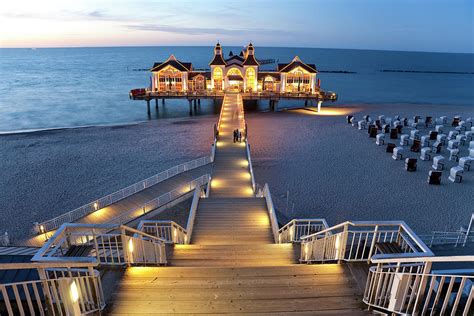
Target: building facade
236, 73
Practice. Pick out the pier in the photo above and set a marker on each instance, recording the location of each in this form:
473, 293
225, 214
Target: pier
232, 256
175, 79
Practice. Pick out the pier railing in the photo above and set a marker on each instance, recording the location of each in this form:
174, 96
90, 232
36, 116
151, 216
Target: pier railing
170, 231
107, 200
108, 244
252, 176
265, 193
61, 288
359, 241
452, 238
297, 228
160, 201
407, 286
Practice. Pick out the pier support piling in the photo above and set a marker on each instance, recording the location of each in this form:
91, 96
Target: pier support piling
319, 105
163, 101
275, 106
190, 107
195, 104
199, 101
156, 104
148, 107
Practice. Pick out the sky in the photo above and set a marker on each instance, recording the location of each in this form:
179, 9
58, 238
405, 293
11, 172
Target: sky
408, 25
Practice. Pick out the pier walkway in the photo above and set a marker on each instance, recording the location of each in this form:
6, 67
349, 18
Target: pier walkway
129, 208
233, 264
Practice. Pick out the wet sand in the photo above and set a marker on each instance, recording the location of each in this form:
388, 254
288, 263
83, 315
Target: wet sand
330, 169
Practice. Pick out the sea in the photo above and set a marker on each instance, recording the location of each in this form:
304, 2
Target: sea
49, 88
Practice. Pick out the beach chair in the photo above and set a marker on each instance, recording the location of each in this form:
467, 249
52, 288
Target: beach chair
410, 164
453, 154
369, 127
380, 139
367, 118
452, 135
354, 122
415, 134
453, 144
399, 128
390, 147
382, 119
361, 125
461, 139
439, 128
378, 124
439, 121
421, 123
398, 153
455, 121
461, 127
469, 122
405, 121
436, 147
441, 138
393, 133
416, 147
388, 120
471, 153
386, 128
404, 140
469, 136
433, 135
373, 131
434, 177
425, 154
396, 118
455, 174
349, 118
465, 163
429, 121
438, 162
416, 118
425, 140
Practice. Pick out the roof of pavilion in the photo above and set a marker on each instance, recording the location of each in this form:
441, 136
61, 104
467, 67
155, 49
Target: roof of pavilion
250, 61
236, 58
296, 62
173, 62
218, 60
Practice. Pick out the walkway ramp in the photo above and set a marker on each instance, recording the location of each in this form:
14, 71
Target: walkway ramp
232, 265
111, 212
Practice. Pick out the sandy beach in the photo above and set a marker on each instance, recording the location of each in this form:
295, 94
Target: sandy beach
330, 169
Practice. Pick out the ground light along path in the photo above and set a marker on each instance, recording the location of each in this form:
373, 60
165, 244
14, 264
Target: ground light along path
232, 264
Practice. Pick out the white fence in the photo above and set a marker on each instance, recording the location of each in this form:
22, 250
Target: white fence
91, 207
407, 286
160, 201
170, 231
60, 290
107, 243
358, 241
452, 238
297, 228
265, 193
250, 166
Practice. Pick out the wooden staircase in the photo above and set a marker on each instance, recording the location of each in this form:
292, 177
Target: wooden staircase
232, 265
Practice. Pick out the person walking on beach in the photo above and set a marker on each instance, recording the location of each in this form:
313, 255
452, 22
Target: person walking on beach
240, 136
235, 135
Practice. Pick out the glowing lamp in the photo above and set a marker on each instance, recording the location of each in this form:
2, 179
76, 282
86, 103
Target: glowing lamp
130, 245
96, 206
41, 229
74, 291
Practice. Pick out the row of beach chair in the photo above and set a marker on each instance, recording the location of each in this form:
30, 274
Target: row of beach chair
427, 145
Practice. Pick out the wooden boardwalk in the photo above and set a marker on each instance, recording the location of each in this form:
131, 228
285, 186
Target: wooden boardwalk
232, 265
135, 201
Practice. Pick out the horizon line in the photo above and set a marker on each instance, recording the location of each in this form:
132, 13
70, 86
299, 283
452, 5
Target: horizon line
300, 47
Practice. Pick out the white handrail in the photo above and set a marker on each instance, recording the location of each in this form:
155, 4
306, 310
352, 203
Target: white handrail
411, 289
357, 241
160, 201
247, 146
271, 212
192, 215
295, 229
91, 207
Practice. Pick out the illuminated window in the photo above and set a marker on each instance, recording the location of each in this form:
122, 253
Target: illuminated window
250, 77
217, 73
170, 80
234, 72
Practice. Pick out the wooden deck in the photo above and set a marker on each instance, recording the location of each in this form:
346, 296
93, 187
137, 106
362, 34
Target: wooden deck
232, 265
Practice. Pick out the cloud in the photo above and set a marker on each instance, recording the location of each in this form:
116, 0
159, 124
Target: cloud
201, 30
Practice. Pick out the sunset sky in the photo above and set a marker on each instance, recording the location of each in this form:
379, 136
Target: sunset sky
414, 25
